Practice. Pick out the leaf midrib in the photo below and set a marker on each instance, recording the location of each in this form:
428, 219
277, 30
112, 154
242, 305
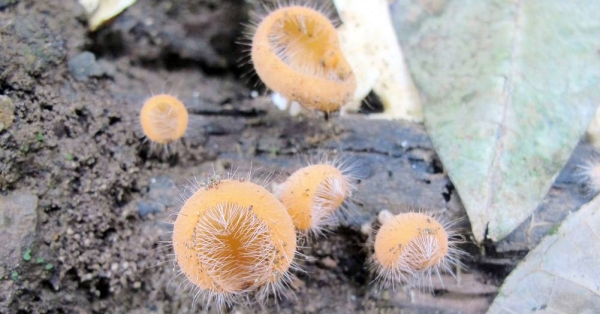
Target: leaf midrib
494, 172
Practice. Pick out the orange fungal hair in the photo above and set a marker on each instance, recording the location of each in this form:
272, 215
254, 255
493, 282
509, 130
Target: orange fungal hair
233, 237
164, 119
296, 52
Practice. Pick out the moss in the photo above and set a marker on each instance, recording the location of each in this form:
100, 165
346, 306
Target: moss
554, 229
27, 255
14, 275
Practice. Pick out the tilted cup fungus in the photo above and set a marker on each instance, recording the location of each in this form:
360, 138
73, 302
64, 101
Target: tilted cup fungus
232, 238
313, 194
296, 52
410, 247
164, 119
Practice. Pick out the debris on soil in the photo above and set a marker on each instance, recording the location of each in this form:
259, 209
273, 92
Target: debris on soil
162, 194
5, 3
102, 11
328, 262
84, 66
18, 219
7, 112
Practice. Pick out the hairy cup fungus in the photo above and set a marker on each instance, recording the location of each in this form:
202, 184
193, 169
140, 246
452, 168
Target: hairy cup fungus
410, 247
296, 52
233, 237
589, 174
164, 119
313, 194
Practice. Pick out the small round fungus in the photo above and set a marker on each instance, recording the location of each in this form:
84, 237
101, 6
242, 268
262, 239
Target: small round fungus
164, 119
313, 194
232, 238
589, 174
296, 52
410, 247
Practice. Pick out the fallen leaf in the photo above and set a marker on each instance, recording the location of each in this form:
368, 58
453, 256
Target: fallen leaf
371, 47
508, 89
561, 274
102, 11
593, 131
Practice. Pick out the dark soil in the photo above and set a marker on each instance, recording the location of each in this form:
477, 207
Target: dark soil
98, 198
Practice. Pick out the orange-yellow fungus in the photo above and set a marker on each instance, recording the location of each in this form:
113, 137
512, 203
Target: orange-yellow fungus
233, 237
164, 119
414, 239
409, 247
296, 52
312, 194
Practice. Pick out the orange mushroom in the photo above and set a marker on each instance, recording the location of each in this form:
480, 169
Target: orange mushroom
296, 52
234, 237
313, 194
164, 119
409, 247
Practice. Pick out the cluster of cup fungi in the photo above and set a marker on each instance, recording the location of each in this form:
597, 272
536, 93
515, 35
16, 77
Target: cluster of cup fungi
234, 240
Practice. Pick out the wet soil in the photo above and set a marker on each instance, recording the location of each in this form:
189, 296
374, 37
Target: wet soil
87, 202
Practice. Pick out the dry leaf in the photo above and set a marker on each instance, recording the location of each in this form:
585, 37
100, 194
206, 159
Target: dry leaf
101, 11
561, 275
508, 89
371, 47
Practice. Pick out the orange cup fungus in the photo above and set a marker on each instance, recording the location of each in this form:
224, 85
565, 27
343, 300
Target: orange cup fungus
233, 237
296, 52
409, 247
164, 119
313, 194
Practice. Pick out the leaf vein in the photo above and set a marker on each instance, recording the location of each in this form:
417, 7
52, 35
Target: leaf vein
495, 171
